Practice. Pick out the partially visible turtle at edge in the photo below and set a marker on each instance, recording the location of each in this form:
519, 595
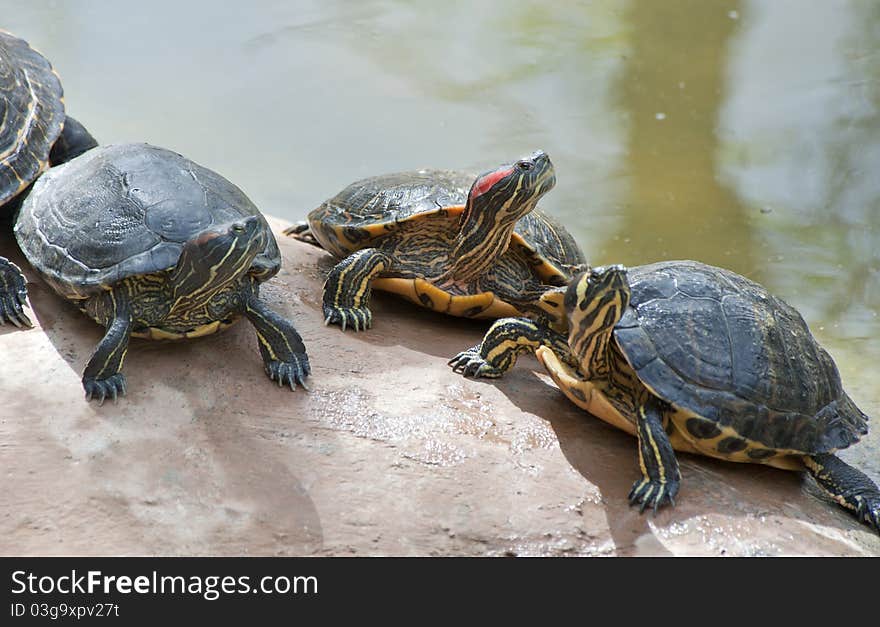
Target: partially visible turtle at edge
34, 134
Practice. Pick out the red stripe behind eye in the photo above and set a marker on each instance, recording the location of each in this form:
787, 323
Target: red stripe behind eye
205, 237
485, 183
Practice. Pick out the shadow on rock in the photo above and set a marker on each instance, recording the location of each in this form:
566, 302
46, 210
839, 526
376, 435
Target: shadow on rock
752, 494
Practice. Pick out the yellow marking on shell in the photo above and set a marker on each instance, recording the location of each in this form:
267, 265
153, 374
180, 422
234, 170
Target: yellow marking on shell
154, 333
546, 271
444, 302
598, 404
595, 401
16, 146
317, 220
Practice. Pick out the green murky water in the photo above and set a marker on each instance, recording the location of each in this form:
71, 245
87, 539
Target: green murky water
743, 133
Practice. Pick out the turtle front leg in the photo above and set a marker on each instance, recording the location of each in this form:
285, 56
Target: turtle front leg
348, 287
660, 474
102, 377
13, 295
282, 348
506, 340
848, 486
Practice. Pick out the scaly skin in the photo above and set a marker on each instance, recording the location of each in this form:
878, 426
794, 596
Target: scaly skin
13, 295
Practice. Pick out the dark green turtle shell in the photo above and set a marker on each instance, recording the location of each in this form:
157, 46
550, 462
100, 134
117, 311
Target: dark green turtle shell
373, 205
124, 210
719, 345
31, 114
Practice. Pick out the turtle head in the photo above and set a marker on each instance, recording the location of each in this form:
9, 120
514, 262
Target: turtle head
497, 199
594, 302
510, 191
73, 141
218, 255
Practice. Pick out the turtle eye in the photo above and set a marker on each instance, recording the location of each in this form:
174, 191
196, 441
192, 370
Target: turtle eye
238, 227
524, 165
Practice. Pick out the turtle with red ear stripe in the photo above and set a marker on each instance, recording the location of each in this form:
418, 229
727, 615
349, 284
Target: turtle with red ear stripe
445, 240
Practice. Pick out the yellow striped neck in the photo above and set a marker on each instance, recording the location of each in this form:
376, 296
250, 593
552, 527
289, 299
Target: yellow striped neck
592, 314
477, 249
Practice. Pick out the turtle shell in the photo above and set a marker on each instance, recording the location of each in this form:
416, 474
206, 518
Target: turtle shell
368, 208
123, 210
720, 346
31, 114
371, 207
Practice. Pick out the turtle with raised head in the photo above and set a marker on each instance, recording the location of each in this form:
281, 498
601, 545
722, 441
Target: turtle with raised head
34, 134
467, 246
694, 358
151, 244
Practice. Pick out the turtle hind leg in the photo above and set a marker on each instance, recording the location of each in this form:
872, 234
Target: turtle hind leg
661, 477
506, 340
348, 287
282, 348
13, 295
850, 487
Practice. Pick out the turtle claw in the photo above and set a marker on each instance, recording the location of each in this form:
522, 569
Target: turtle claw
102, 389
470, 363
297, 228
290, 373
303, 233
648, 492
13, 295
357, 318
868, 511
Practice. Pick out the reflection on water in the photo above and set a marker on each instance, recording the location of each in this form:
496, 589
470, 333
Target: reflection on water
672, 87
743, 133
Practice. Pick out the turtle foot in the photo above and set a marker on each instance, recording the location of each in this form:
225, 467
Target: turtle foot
13, 295
868, 511
102, 389
290, 373
298, 228
471, 364
303, 233
357, 318
653, 493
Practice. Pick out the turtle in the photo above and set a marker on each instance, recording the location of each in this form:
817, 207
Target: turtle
692, 357
35, 132
150, 244
467, 246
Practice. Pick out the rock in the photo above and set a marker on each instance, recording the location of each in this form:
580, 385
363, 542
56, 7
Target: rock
390, 452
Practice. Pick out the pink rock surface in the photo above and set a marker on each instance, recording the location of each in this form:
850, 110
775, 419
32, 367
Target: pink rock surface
390, 453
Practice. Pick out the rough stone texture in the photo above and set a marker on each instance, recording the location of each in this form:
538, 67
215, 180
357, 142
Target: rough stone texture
390, 452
